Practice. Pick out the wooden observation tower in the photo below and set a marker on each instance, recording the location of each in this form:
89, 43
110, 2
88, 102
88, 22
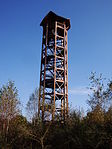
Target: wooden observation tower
53, 91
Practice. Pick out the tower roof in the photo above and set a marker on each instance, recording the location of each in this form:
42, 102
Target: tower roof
51, 16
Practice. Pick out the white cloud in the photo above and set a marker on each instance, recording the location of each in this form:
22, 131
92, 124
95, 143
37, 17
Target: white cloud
80, 91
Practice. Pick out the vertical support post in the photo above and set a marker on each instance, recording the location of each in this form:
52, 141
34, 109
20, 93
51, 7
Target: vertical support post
40, 88
54, 70
43, 100
62, 109
64, 72
66, 75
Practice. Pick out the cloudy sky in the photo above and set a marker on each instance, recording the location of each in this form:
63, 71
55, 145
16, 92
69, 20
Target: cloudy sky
89, 43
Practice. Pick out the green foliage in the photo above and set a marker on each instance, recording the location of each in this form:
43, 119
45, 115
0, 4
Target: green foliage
92, 131
9, 102
9, 108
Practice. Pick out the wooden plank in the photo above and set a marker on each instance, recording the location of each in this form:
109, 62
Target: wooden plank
64, 73
60, 37
54, 71
43, 100
59, 57
61, 81
40, 77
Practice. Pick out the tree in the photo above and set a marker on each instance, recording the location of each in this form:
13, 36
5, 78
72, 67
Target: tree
99, 115
100, 93
18, 136
9, 106
32, 105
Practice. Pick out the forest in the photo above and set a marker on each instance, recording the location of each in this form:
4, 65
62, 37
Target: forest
90, 130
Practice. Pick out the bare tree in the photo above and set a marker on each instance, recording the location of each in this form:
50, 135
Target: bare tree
32, 105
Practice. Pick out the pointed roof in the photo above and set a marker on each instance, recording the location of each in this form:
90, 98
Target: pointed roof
51, 16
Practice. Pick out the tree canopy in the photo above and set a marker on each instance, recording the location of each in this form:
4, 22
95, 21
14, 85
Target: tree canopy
92, 131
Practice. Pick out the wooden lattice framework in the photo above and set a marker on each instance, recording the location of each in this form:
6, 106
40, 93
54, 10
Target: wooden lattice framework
53, 94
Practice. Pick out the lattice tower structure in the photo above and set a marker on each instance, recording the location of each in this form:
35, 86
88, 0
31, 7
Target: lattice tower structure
53, 91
